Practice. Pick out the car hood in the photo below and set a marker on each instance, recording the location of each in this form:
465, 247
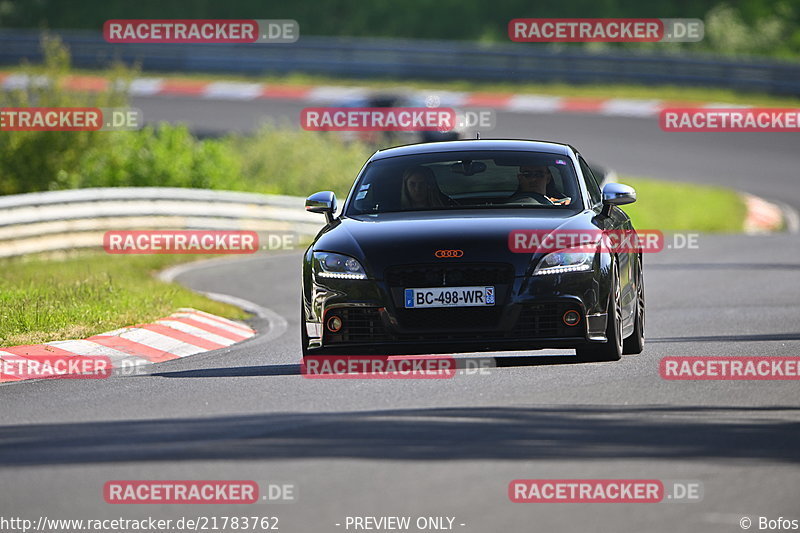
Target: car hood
388, 239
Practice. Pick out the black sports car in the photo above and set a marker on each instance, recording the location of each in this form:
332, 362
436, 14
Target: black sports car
420, 259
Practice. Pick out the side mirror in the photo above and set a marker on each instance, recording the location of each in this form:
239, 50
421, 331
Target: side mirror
322, 202
618, 194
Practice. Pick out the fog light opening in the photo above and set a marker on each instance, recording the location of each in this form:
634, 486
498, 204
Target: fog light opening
571, 318
334, 324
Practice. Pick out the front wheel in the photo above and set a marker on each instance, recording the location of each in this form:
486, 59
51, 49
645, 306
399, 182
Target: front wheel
611, 350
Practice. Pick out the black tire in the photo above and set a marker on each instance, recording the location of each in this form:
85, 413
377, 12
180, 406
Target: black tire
303, 334
635, 343
611, 350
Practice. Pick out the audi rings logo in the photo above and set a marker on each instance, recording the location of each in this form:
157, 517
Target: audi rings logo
441, 254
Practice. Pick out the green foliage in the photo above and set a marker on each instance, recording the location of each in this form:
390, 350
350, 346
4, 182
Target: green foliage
166, 156
295, 162
772, 34
41, 160
275, 160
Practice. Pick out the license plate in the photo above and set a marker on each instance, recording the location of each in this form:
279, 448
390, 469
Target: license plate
449, 297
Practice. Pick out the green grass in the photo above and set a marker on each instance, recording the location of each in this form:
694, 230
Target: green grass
660, 92
76, 295
670, 206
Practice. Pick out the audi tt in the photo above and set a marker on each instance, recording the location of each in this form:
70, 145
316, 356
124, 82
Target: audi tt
420, 257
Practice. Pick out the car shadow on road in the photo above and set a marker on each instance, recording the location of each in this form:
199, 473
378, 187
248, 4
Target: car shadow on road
465, 364
533, 433
758, 337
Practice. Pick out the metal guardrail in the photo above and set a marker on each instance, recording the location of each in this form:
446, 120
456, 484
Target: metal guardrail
61, 220
420, 59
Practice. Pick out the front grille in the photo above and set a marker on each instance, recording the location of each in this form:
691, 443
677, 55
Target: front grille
449, 275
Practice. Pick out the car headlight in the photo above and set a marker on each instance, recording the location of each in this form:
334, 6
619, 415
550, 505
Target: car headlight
564, 261
331, 265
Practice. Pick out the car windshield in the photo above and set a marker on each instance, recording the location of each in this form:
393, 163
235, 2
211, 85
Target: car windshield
466, 180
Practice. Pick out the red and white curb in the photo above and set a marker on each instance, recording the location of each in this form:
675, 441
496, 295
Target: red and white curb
337, 95
186, 332
766, 217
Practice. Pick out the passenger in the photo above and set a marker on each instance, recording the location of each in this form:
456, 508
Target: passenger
420, 190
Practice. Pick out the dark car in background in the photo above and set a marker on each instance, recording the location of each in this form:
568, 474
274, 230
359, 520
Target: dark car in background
401, 271
391, 138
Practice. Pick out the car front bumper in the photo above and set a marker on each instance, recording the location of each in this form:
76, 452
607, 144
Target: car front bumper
528, 315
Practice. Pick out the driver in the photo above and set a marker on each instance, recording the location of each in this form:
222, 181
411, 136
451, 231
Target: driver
533, 181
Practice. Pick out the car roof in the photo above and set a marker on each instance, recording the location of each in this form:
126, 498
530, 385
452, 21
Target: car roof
473, 144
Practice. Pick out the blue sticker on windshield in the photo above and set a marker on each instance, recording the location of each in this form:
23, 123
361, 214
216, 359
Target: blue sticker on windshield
560, 162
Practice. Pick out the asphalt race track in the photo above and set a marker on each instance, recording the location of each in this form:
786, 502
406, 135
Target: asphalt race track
451, 447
